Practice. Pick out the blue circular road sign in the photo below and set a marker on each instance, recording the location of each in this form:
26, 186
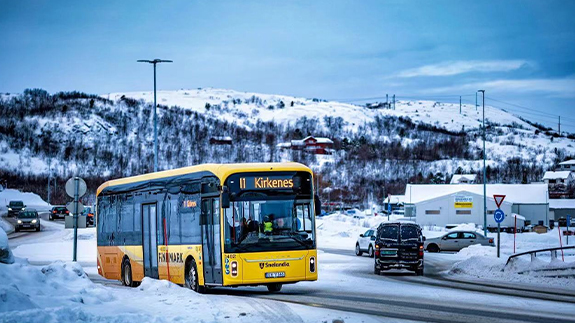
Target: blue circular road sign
499, 216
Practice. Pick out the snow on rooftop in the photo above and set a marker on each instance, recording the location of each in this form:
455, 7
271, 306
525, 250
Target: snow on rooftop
568, 162
562, 204
556, 175
515, 193
456, 179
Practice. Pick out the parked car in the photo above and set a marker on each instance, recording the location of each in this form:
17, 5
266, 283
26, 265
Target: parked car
365, 243
14, 207
28, 219
89, 214
399, 245
457, 240
58, 212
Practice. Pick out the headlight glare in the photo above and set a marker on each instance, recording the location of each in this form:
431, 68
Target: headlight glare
19, 221
34, 221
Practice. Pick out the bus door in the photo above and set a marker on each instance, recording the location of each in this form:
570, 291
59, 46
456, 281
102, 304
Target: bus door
149, 240
211, 243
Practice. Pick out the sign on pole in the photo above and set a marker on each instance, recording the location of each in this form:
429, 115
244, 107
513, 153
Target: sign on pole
70, 207
498, 199
75, 187
499, 216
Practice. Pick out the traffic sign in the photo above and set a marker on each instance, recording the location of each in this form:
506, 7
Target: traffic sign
70, 187
70, 207
499, 216
498, 199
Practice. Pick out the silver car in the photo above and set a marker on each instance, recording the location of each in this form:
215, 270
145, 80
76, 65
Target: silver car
457, 240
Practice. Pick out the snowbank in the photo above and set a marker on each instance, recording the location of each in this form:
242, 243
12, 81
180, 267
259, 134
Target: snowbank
482, 261
5, 253
31, 200
59, 246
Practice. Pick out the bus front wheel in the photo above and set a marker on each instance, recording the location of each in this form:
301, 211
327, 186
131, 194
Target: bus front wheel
274, 288
192, 280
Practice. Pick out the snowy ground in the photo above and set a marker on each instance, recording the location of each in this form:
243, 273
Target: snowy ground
31, 200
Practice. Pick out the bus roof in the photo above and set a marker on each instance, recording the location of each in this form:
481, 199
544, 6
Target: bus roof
222, 171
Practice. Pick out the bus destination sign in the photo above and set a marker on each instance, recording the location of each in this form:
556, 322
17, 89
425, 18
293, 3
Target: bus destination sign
266, 182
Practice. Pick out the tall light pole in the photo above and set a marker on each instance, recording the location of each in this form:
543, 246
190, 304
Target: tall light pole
154, 62
484, 172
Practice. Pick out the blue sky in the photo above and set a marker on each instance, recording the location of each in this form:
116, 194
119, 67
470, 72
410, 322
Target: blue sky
520, 52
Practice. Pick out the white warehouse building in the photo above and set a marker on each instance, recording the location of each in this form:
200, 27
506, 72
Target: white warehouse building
446, 204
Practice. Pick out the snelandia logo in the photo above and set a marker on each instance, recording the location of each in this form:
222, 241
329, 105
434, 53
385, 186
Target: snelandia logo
273, 264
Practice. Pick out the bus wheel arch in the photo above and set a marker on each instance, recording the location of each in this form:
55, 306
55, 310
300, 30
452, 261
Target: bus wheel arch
192, 276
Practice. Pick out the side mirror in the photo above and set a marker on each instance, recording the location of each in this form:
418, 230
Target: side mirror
317, 205
372, 237
444, 238
225, 197
424, 238
361, 235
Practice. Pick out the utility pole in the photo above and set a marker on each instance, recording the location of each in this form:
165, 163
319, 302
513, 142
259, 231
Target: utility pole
155, 62
484, 173
559, 125
386, 100
475, 101
394, 102
460, 104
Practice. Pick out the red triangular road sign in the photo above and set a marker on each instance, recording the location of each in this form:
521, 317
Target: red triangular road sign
498, 199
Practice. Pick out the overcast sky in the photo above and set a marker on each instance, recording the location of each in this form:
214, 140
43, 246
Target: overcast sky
520, 52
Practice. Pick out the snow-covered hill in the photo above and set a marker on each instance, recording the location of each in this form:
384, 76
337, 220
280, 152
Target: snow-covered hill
377, 151
235, 106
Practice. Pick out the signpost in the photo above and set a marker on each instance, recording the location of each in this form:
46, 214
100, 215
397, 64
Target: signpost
499, 216
568, 222
388, 206
76, 188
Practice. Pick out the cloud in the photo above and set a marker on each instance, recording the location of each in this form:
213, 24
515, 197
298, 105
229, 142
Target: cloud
460, 67
560, 87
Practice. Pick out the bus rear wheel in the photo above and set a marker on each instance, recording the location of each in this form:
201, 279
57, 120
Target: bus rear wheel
127, 274
274, 288
192, 280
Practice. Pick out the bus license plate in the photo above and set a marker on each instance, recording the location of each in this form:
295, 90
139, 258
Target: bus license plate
280, 274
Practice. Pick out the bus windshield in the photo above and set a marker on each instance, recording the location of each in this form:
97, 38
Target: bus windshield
269, 224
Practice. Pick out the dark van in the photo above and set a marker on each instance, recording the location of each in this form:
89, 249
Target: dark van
399, 246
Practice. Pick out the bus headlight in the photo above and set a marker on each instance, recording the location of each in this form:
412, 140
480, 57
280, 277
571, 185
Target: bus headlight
312, 264
234, 268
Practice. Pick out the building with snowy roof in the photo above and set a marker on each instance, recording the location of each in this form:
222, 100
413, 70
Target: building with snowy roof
561, 208
311, 144
463, 179
560, 183
446, 204
568, 165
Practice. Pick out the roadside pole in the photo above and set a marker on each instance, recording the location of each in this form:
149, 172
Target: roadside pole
76, 186
514, 234
568, 233
561, 243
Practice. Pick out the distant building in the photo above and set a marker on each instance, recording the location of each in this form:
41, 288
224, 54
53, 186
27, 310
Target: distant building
568, 165
560, 183
311, 144
561, 208
446, 204
463, 179
221, 140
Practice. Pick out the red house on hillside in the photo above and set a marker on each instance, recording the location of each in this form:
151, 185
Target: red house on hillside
311, 144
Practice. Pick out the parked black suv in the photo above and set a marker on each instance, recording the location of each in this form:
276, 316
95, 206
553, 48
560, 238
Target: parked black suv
14, 207
399, 246
58, 212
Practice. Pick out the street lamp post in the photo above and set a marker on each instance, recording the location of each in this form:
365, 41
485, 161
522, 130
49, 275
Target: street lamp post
154, 62
484, 172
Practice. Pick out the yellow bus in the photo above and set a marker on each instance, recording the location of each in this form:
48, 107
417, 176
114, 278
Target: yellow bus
210, 225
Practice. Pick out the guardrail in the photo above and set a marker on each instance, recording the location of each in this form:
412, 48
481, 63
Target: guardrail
533, 253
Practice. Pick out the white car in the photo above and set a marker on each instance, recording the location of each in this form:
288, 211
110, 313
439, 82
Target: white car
365, 243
